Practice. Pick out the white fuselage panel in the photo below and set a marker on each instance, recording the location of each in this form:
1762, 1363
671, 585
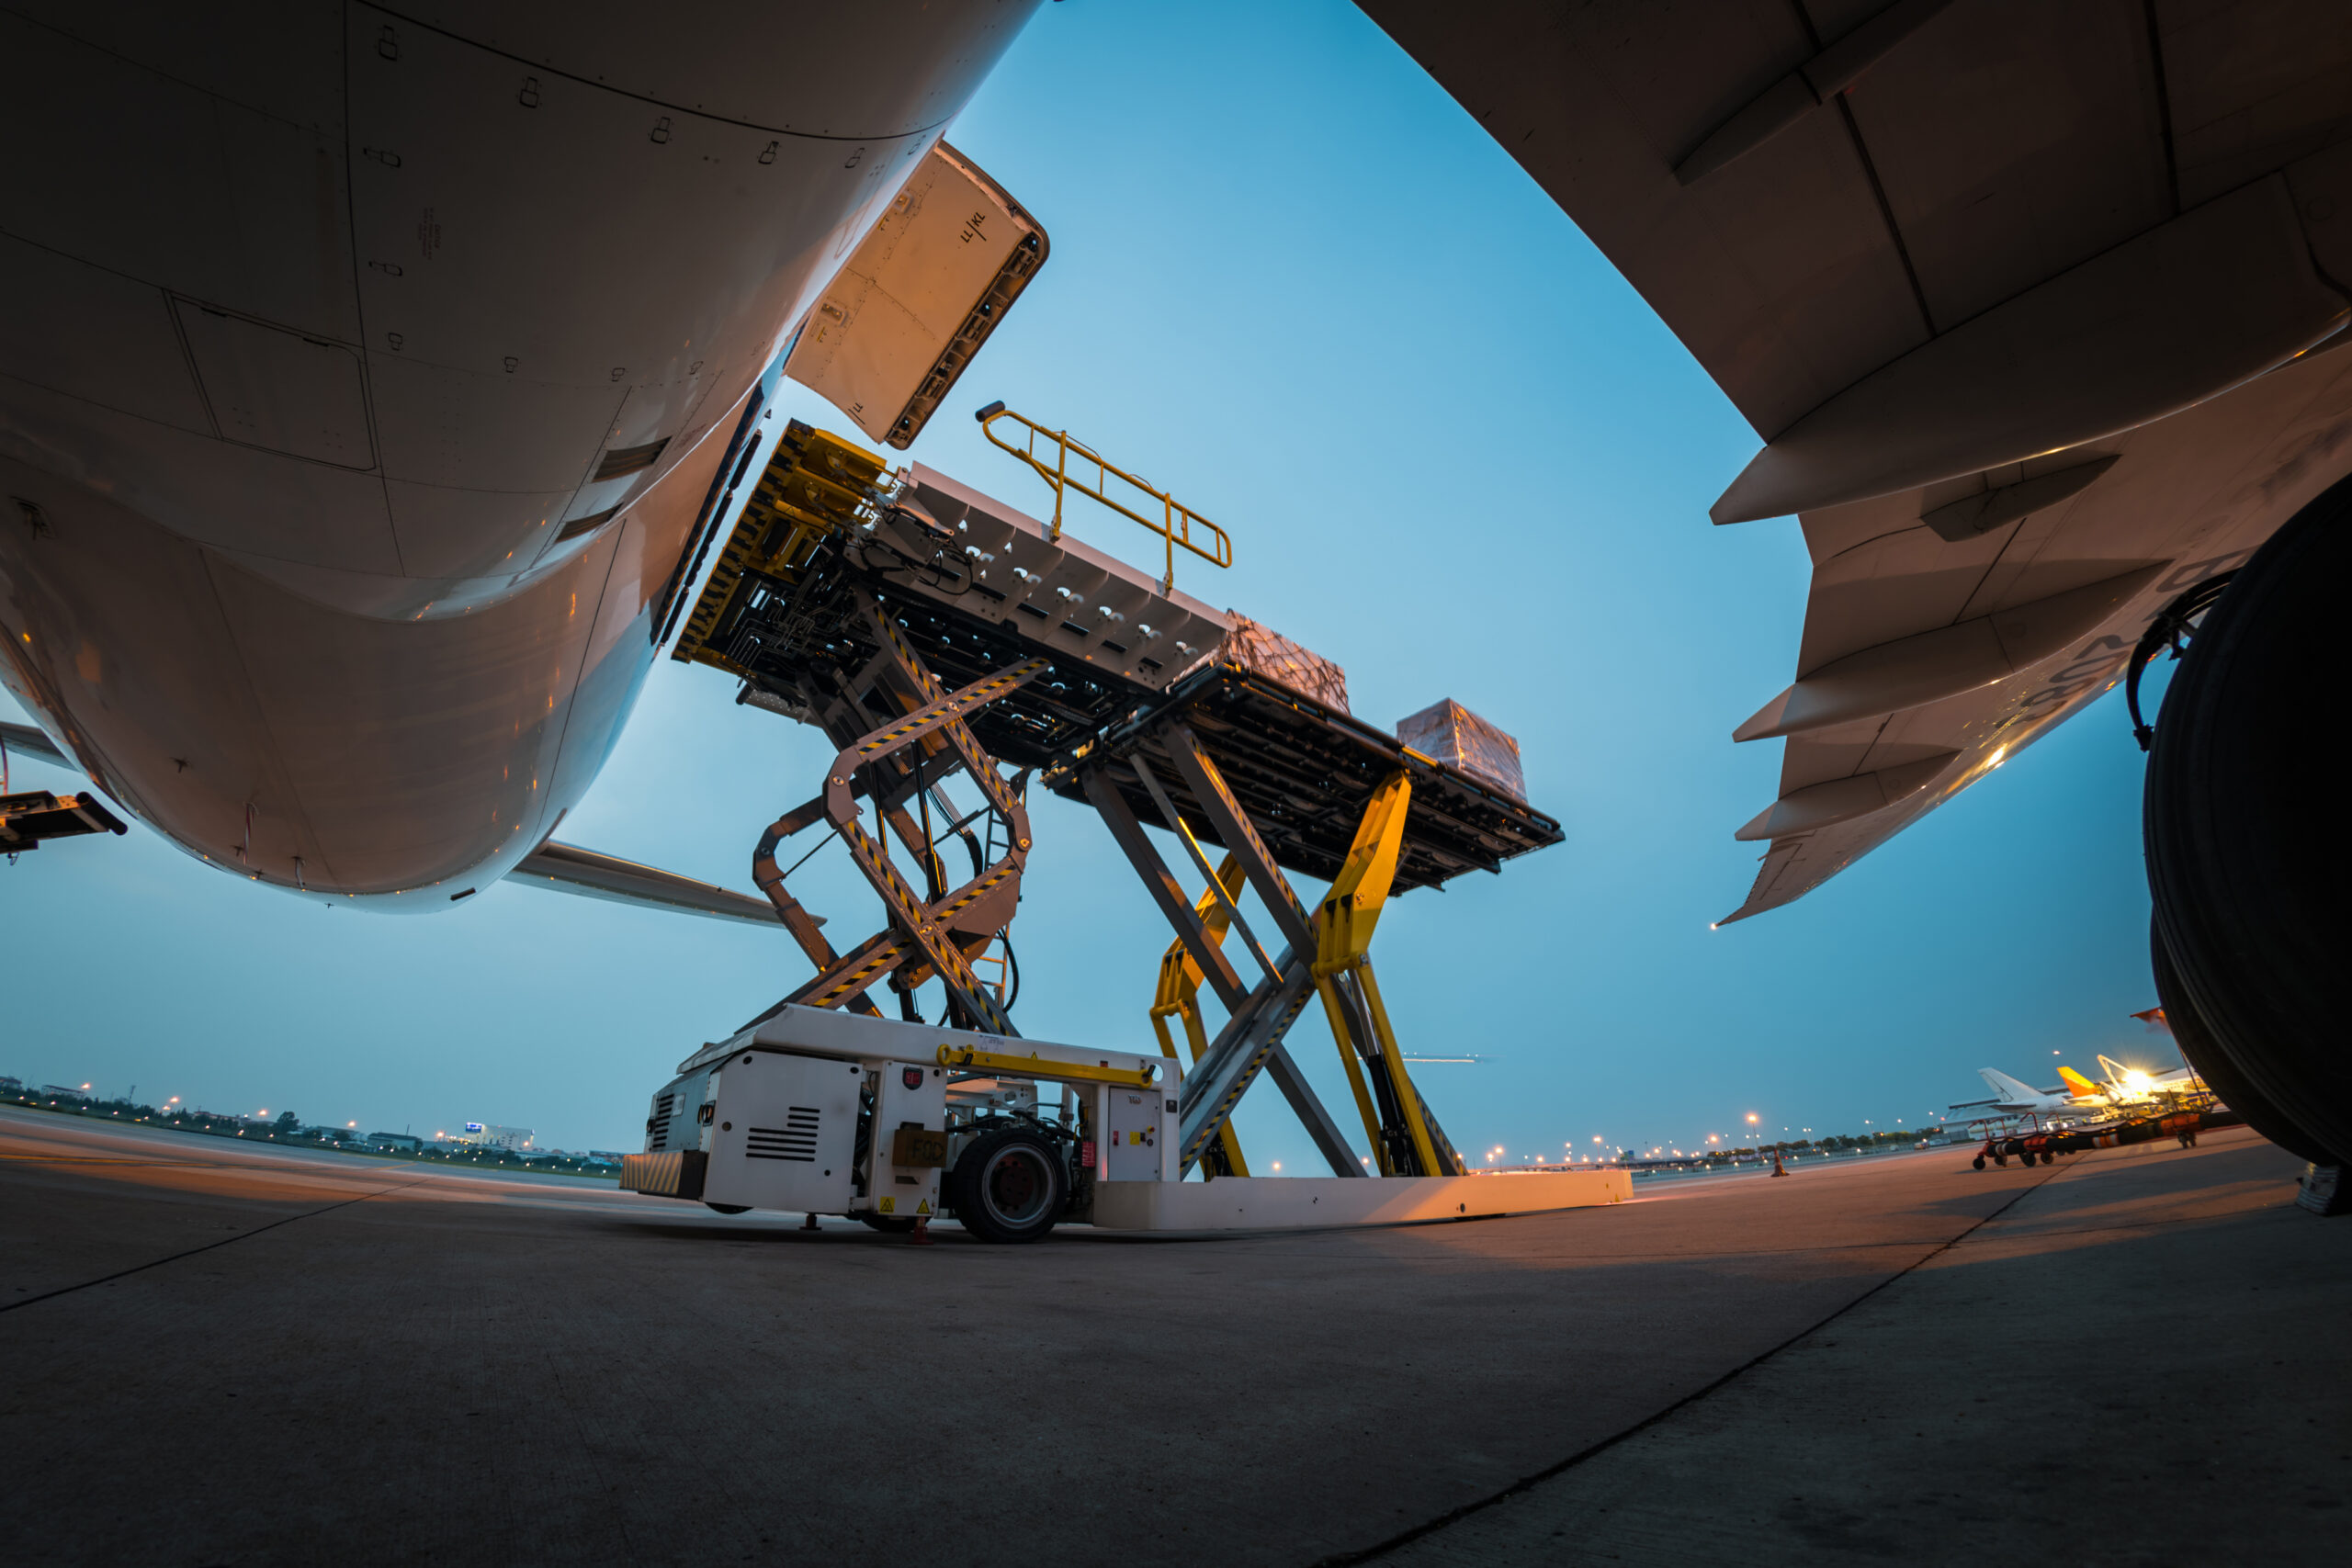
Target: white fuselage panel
362, 380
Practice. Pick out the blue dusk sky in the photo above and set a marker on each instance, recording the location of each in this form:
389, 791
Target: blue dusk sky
1459, 455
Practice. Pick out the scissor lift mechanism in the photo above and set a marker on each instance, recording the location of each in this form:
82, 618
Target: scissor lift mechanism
850, 599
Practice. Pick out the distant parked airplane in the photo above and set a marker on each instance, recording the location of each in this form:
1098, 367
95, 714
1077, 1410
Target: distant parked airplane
2011, 1097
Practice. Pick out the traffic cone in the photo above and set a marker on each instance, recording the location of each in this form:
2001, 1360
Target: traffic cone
1778, 1169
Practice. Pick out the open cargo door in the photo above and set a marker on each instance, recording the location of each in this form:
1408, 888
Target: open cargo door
919, 297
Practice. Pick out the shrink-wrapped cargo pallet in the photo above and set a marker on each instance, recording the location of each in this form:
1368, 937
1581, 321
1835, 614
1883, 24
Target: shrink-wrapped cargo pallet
1461, 739
1264, 651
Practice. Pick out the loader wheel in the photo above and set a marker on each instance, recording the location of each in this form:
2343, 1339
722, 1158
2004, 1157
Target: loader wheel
729, 1208
1007, 1186
890, 1224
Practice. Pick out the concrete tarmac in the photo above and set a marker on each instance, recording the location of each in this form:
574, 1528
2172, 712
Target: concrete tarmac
224, 1354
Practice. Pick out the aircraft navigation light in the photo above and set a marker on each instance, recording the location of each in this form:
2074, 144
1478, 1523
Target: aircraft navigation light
1278, 1164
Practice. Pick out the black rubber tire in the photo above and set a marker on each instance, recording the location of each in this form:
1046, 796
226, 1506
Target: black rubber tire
1009, 1185
1979, 1162
890, 1224
727, 1208
2209, 1062
2244, 859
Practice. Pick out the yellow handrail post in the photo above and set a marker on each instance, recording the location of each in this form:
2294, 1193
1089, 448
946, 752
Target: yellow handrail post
1061, 473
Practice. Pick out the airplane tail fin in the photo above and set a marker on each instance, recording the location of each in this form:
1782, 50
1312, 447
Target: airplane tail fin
2007, 1088
2081, 1087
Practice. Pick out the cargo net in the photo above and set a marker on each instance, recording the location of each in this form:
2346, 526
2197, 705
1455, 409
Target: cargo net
1264, 651
1455, 735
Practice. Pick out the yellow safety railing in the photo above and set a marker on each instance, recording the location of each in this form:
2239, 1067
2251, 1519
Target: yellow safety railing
1175, 522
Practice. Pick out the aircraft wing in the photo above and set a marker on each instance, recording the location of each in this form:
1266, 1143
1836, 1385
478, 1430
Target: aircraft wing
1980, 275
568, 868
23, 740
563, 868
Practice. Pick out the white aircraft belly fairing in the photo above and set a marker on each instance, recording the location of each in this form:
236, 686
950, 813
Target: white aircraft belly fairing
364, 380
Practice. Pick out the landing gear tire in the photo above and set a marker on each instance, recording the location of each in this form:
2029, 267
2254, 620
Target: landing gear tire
2209, 1062
890, 1224
1007, 1186
2240, 805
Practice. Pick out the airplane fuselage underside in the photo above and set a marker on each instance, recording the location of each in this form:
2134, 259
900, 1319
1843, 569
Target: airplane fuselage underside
361, 383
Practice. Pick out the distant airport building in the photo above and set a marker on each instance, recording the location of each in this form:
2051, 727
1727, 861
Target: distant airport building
489, 1135
401, 1142
61, 1091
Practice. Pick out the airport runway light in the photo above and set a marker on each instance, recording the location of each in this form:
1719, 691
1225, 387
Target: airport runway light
1278, 1164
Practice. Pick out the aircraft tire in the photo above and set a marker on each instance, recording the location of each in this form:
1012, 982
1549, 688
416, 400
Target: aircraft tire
2200, 1050
2239, 804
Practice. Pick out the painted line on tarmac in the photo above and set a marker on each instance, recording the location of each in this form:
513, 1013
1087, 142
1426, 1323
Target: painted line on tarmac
94, 1159
208, 1247
1527, 1482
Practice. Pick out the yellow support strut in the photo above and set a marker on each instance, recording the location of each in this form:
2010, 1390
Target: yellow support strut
1343, 928
1180, 989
